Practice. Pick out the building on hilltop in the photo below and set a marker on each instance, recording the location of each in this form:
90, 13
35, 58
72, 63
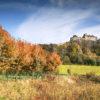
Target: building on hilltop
85, 37
89, 37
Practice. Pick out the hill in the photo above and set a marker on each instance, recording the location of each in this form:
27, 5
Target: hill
85, 50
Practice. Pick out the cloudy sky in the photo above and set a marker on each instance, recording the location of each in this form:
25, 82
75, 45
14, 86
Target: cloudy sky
50, 21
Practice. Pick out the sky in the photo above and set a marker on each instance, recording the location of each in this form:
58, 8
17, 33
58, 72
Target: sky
50, 21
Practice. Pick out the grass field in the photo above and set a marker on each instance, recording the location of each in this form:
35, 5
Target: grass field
53, 87
47, 89
78, 69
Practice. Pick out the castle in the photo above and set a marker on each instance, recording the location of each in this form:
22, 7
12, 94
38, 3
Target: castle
89, 37
85, 37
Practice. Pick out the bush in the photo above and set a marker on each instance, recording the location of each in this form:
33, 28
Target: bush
66, 60
53, 60
98, 61
89, 61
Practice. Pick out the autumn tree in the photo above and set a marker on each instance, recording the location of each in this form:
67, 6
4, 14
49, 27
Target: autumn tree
53, 60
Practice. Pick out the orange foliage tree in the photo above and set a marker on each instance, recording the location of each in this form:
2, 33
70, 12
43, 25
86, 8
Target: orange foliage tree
53, 60
19, 56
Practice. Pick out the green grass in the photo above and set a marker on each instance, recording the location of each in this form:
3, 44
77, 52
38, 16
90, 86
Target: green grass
62, 69
21, 76
3, 98
79, 69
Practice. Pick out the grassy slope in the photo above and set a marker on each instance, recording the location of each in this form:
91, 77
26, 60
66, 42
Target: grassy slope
79, 69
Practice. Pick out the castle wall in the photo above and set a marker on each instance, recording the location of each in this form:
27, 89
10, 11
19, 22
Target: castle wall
85, 37
90, 38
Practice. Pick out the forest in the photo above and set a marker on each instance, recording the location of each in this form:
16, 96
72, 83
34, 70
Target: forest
84, 52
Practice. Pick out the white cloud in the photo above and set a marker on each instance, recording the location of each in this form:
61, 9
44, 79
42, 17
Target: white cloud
51, 25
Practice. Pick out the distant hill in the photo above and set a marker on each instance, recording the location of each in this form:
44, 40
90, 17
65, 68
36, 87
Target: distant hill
79, 50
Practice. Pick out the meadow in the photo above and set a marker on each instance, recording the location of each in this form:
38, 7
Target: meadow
53, 87
78, 69
49, 88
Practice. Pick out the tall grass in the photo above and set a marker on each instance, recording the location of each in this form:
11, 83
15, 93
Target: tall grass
38, 86
49, 88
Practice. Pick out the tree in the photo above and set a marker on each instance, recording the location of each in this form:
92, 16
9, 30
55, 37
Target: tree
66, 60
53, 60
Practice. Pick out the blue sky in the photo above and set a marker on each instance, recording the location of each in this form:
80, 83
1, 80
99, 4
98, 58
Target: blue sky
50, 21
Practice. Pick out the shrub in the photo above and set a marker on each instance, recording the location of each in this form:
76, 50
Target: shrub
53, 60
66, 60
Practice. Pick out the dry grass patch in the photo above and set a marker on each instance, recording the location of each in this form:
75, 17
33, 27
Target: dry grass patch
56, 88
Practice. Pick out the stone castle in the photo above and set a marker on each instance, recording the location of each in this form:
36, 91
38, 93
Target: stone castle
85, 37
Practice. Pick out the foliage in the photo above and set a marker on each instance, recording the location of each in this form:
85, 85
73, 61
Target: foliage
53, 60
66, 60
18, 56
77, 52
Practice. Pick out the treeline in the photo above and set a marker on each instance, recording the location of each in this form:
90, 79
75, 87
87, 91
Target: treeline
77, 52
17, 56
